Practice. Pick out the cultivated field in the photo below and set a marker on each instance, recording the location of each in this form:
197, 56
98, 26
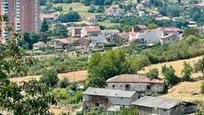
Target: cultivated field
71, 76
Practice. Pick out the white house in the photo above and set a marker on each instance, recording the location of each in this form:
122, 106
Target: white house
146, 36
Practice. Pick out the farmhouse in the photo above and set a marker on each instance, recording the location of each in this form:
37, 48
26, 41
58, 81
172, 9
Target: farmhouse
39, 45
61, 43
75, 31
158, 106
90, 31
135, 82
100, 97
168, 39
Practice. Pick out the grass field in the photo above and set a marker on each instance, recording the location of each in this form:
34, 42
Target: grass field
177, 65
71, 76
107, 23
187, 91
78, 7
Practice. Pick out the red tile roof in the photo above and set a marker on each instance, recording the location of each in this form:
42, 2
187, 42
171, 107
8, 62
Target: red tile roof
66, 40
92, 28
133, 33
39, 44
171, 29
133, 78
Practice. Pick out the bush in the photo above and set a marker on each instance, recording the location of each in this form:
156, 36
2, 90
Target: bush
169, 75
63, 83
50, 78
153, 73
187, 71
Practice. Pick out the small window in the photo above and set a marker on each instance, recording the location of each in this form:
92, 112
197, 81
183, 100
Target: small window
148, 87
127, 87
113, 86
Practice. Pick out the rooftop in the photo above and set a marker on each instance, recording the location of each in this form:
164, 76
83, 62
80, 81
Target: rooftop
171, 29
92, 28
66, 40
156, 102
133, 78
108, 92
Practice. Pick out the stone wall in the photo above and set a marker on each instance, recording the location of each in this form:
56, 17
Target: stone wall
139, 87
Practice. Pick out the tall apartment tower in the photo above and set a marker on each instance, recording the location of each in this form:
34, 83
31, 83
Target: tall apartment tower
24, 15
29, 14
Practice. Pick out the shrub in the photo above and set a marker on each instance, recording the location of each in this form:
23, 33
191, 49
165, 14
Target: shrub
63, 83
169, 75
153, 73
50, 78
187, 71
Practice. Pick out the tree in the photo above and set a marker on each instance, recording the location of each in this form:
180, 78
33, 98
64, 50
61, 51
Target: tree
92, 9
44, 26
50, 78
25, 42
69, 17
199, 66
115, 62
26, 97
153, 73
169, 75
108, 2
128, 111
187, 71
60, 31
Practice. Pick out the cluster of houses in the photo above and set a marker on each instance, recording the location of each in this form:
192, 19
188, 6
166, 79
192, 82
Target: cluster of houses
93, 37
134, 90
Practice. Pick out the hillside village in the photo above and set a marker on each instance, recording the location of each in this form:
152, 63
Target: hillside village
97, 57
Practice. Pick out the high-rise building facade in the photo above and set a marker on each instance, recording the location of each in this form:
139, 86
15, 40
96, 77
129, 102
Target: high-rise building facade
29, 11
24, 15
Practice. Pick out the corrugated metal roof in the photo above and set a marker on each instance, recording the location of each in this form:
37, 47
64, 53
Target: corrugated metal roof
156, 102
108, 92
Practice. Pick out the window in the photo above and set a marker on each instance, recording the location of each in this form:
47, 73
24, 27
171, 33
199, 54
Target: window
127, 87
113, 86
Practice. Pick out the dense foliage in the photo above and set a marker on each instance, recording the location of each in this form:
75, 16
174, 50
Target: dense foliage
49, 78
24, 98
188, 47
112, 63
69, 17
60, 64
